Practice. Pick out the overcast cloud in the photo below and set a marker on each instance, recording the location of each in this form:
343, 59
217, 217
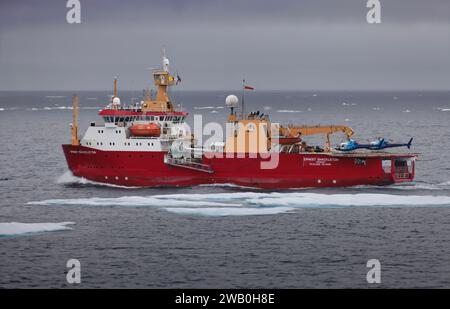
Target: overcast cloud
287, 44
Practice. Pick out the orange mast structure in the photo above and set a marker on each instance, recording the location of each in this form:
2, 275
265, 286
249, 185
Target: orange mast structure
74, 125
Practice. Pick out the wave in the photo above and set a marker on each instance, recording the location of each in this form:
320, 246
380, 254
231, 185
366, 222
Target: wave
53, 108
421, 186
17, 228
408, 186
47, 108
288, 111
69, 179
227, 185
204, 107
229, 211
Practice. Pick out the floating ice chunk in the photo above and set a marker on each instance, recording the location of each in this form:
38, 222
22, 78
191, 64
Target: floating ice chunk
17, 228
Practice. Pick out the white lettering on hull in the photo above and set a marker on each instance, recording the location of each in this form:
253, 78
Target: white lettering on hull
312, 161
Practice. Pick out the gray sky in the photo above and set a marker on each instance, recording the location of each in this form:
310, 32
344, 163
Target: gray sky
278, 44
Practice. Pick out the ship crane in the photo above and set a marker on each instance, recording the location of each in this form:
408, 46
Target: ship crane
291, 131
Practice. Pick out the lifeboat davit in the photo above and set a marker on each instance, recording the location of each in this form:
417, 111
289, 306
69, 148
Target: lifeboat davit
283, 140
148, 130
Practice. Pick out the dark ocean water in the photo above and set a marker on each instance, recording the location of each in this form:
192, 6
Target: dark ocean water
225, 237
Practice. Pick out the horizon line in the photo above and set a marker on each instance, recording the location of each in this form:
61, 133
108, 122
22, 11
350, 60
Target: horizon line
231, 90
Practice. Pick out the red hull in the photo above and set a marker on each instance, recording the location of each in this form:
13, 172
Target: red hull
148, 169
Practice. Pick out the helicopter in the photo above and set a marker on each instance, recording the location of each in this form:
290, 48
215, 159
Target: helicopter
378, 144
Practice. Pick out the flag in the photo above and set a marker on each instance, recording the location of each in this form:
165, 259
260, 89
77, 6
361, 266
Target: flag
246, 87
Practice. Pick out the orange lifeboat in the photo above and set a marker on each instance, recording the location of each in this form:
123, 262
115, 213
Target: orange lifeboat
150, 129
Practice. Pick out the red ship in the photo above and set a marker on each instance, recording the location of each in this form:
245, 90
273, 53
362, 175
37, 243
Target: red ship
148, 145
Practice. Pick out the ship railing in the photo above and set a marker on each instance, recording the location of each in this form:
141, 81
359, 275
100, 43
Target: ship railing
189, 163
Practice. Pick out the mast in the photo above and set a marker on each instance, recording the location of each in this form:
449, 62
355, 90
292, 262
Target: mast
243, 95
162, 80
165, 61
74, 125
115, 100
115, 87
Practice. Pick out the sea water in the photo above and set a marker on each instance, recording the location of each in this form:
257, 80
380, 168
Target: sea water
225, 236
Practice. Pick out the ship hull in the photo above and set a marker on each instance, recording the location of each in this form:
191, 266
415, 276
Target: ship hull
150, 169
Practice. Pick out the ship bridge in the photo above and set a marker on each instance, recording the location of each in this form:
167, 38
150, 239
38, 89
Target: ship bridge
130, 115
